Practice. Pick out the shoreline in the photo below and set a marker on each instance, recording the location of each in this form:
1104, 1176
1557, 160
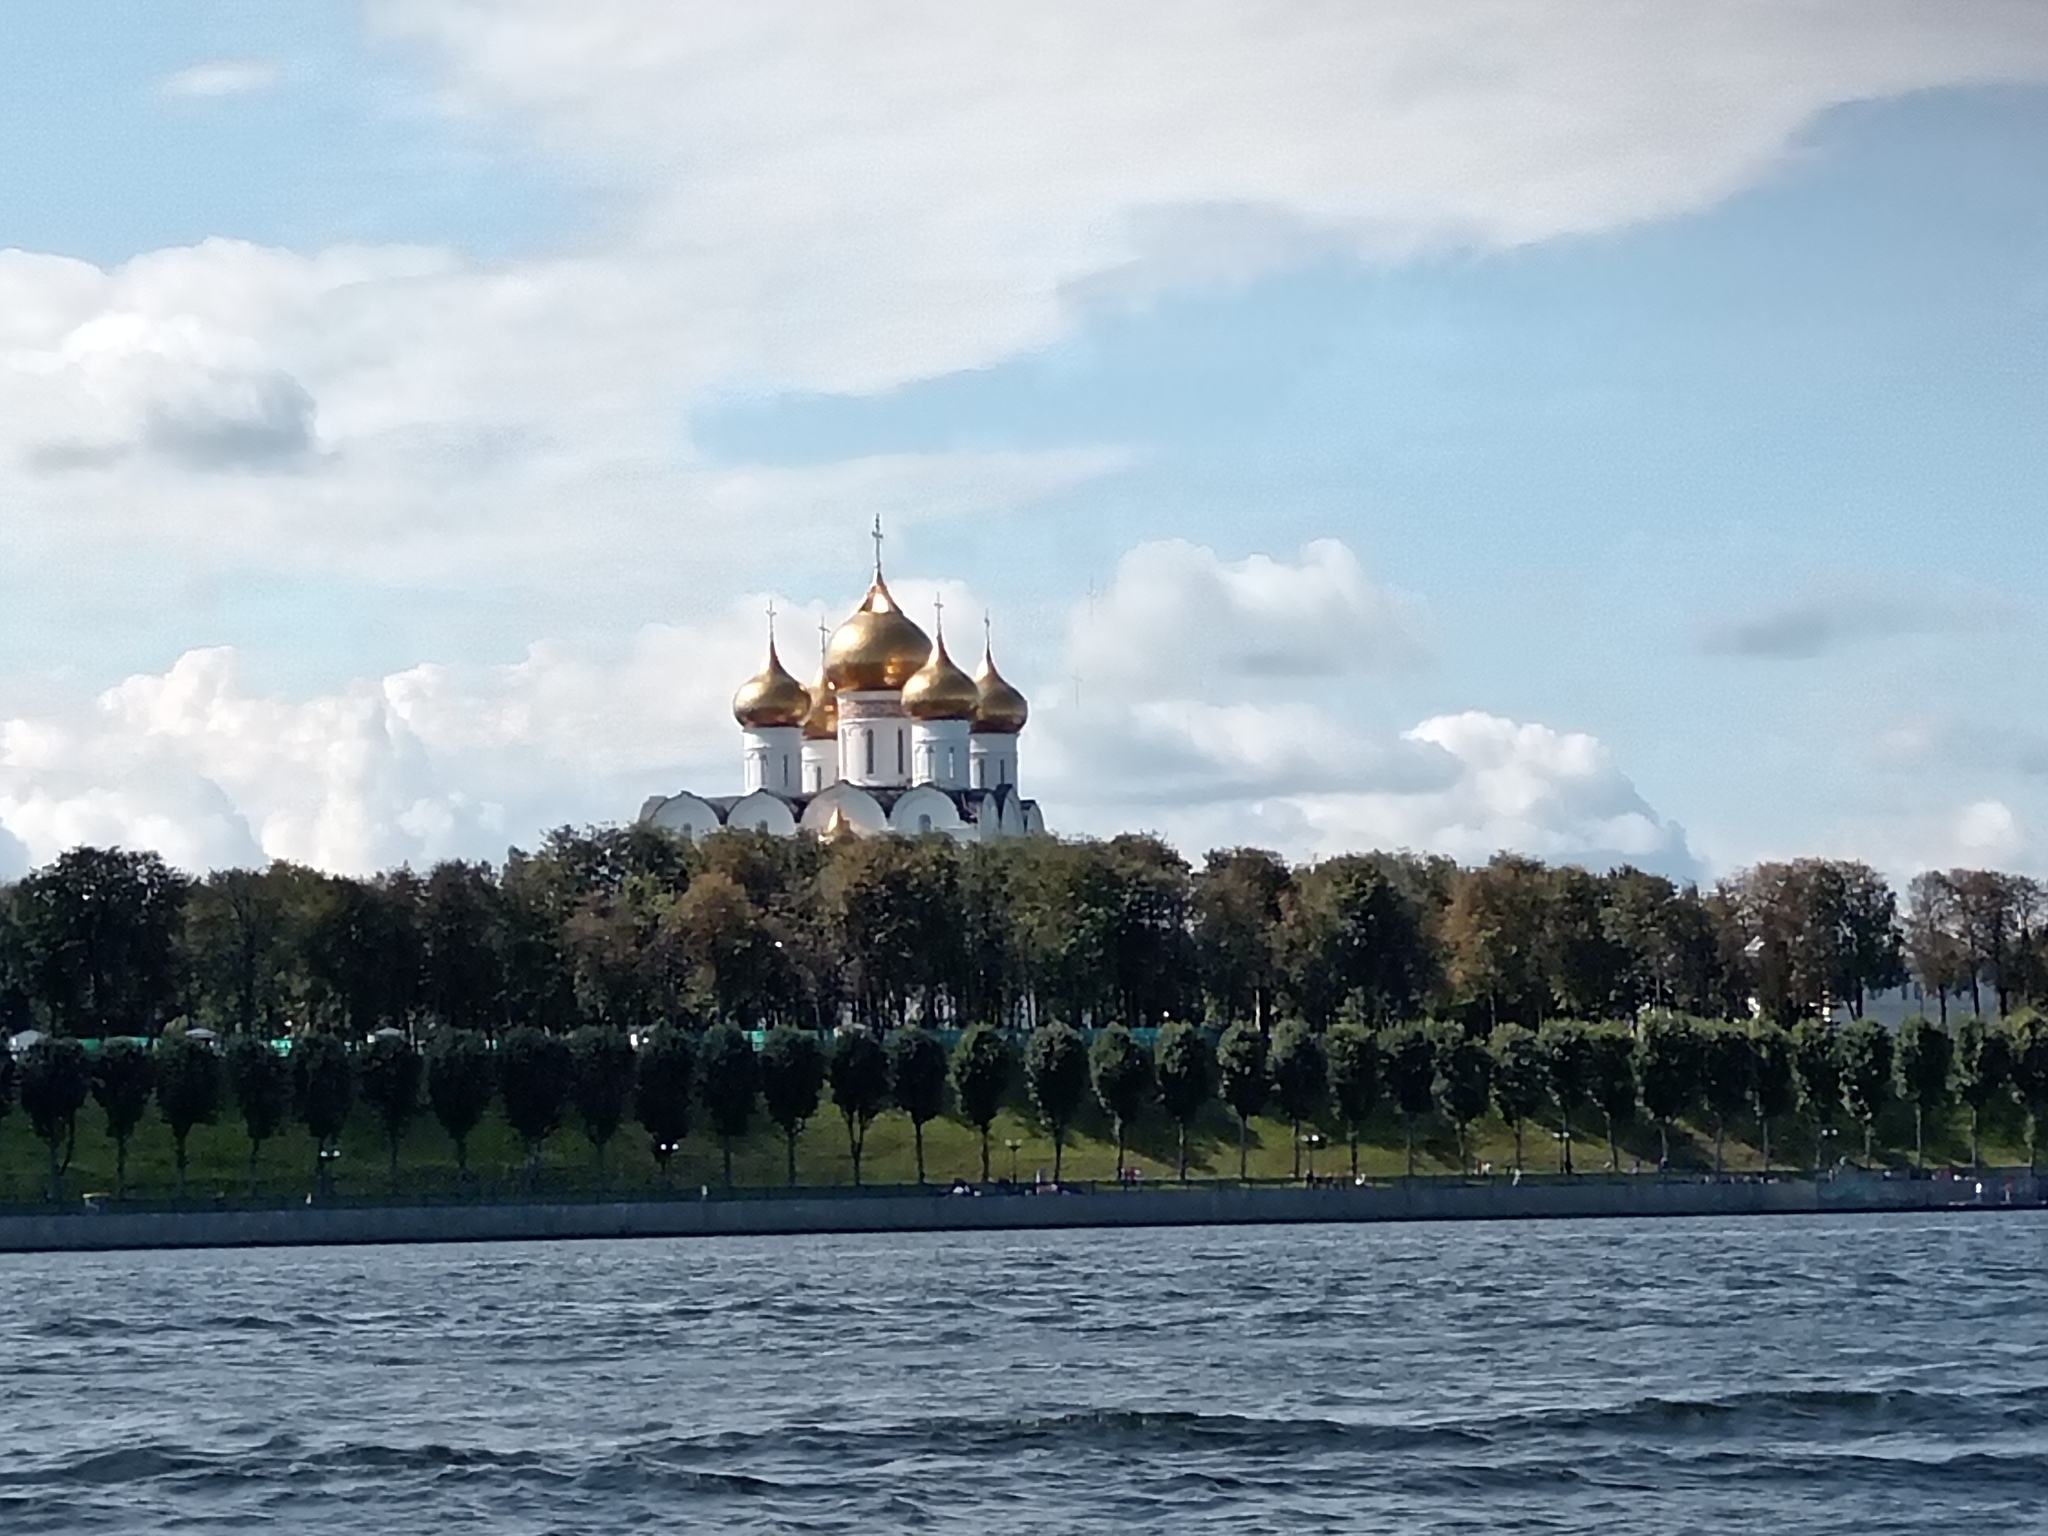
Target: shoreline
937, 1210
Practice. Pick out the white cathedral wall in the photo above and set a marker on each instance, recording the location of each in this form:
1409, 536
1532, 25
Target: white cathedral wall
773, 757
874, 739
683, 814
821, 764
939, 753
991, 760
762, 811
926, 809
857, 808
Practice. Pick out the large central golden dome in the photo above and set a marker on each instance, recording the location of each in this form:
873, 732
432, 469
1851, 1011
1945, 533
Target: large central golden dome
877, 647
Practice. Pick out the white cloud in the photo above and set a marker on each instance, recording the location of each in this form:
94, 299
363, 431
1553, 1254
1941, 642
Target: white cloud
917, 185
1219, 702
800, 197
1178, 619
222, 77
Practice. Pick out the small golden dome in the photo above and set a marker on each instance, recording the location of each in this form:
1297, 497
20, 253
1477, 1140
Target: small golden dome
938, 690
877, 647
822, 723
999, 709
771, 697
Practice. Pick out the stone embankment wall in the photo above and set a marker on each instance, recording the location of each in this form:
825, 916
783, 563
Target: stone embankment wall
938, 1211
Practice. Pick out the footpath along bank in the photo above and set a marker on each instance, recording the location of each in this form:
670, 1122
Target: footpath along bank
941, 1210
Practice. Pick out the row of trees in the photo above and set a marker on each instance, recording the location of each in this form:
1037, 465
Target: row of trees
1668, 1068
633, 929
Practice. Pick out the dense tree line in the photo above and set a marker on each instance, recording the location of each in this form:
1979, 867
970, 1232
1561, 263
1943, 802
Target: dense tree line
633, 928
620, 975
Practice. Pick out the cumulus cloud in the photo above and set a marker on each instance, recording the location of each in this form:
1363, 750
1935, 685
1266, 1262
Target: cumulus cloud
1180, 620
1216, 704
221, 77
435, 761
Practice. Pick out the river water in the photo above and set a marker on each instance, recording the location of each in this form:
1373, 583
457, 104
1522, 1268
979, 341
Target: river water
1855, 1374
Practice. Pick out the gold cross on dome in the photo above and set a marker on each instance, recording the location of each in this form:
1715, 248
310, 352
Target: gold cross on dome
877, 536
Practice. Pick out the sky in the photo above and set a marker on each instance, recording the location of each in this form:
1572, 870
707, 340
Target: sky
1593, 428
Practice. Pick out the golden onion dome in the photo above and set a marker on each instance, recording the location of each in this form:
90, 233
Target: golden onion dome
938, 690
999, 709
822, 723
771, 697
877, 647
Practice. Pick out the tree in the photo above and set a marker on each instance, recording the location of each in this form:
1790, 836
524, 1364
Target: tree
461, 1079
56, 1079
534, 1069
1354, 936
601, 1072
188, 1084
1925, 1057
1301, 1078
1866, 1056
1774, 1084
95, 935
1497, 935
1728, 1075
1612, 1084
1568, 1048
1985, 1076
981, 1075
663, 1080
1244, 1081
1056, 1076
1238, 899
1668, 1070
260, 1082
1465, 1073
1184, 1064
1521, 1078
858, 1068
792, 1070
917, 1075
391, 1087
730, 1080
123, 1078
1354, 1061
1408, 1054
10, 1071
2030, 1079
1817, 1072
1122, 1075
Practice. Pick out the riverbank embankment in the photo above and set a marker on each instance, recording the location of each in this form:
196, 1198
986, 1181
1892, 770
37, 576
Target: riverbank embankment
938, 1210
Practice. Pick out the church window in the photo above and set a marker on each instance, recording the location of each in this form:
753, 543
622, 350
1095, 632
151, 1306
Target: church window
870, 736
899, 753
924, 823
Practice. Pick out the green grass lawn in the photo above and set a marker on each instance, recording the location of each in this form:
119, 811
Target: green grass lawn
219, 1155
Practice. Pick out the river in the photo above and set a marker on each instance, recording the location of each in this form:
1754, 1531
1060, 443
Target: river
1856, 1374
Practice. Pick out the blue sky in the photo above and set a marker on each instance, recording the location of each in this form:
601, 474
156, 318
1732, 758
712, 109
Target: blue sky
416, 403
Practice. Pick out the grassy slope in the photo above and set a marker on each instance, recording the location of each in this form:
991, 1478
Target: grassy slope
219, 1154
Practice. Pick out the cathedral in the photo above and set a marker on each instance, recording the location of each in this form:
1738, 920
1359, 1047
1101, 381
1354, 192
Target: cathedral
891, 736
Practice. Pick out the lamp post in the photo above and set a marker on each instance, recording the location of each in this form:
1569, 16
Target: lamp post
1311, 1140
1013, 1144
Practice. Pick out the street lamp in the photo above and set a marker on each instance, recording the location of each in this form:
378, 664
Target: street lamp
1311, 1140
1013, 1144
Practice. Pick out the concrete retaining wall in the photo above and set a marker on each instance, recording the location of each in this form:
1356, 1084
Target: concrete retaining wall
933, 1211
